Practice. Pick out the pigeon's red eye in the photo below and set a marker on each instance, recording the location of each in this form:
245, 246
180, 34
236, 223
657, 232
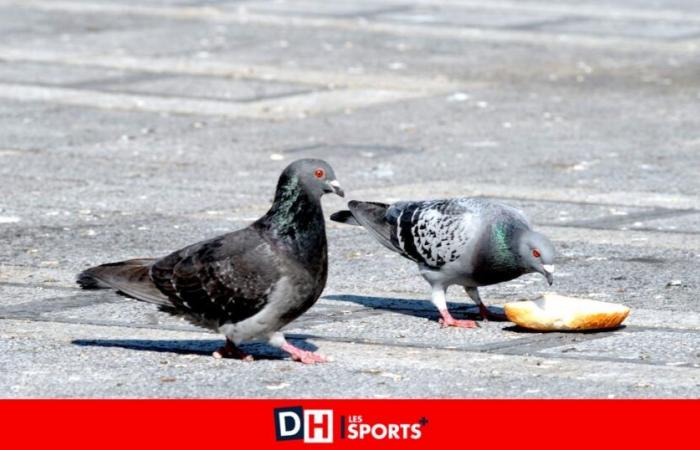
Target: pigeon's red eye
319, 173
536, 253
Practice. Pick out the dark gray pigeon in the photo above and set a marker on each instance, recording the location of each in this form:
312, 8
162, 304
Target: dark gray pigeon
246, 284
470, 242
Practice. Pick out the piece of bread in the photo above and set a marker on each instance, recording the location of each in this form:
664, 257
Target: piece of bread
554, 312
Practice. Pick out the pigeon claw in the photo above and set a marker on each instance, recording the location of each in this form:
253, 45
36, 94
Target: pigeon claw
488, 315
304, 356
310, 358
458, 323
230, 351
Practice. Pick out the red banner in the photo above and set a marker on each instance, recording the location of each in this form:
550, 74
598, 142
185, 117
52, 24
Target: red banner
385, 424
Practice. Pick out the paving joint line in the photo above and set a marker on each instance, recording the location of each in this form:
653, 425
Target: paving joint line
129, 78
54, 304
609, 221
583, 9
671, 211
636, 229
516, 347
124, 89
377, 12
616, 360
213, 14
629, 199
533, 26
285, 108
183, 65
292, 336
47, 287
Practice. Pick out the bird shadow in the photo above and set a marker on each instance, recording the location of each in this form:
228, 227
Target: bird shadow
204, 347
425, 309
412, 307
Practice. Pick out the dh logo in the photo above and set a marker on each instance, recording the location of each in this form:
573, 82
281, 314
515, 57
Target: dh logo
314, 426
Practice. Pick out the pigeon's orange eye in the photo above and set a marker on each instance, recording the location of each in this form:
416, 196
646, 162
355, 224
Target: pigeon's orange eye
536, 253
319, 173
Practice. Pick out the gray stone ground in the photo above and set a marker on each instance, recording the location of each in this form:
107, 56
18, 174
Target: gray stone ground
131, 128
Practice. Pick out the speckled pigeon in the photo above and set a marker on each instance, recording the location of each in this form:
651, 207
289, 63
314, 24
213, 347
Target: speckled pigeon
246, 284
470, 242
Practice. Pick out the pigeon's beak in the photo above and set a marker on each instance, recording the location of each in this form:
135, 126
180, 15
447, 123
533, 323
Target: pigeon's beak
548, 272
335, 187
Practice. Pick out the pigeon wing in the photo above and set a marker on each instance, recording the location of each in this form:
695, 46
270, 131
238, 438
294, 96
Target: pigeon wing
435, 232
228, 278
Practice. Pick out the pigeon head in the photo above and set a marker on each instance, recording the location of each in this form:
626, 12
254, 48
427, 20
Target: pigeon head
315, 176
537, 254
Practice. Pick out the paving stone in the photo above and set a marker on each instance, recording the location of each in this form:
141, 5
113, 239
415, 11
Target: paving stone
671, 348
593, 136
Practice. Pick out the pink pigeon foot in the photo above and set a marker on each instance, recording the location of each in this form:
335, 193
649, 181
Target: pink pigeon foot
303, 356
449, 321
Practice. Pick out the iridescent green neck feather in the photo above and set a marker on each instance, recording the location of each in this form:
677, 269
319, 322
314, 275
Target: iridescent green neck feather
286, 203
295, 214
503, 256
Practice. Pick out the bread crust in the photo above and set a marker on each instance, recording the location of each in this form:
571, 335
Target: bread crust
557, 313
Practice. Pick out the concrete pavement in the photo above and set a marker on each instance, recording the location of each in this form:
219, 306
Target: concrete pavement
130, 129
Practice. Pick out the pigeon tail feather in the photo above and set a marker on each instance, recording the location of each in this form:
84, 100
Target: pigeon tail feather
372, 216
88, 281
130, 278
345, 217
